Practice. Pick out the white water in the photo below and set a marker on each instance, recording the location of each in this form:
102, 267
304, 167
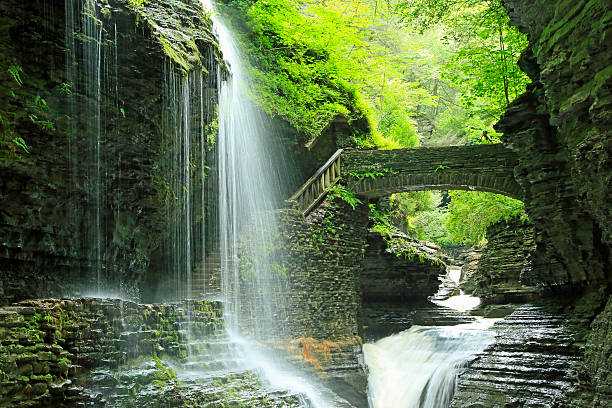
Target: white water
418, 368
461, 302
249, 191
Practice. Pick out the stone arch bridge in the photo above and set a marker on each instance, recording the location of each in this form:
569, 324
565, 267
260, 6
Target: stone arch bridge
378, 173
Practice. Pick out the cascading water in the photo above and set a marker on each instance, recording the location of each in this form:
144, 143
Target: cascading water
91, 74
250, 189
418, 368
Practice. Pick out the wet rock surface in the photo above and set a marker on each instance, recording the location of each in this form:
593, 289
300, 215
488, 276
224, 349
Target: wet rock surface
380, 320
594, 388
46, 202
109, 353
531, 364
49, 347
496, 278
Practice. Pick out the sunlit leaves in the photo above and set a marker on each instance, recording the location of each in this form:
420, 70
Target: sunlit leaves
306, 55
471, 212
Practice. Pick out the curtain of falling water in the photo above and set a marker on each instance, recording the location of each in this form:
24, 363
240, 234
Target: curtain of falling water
418, 368
90, 71
187, 109
95, 150
249, 191
252, 173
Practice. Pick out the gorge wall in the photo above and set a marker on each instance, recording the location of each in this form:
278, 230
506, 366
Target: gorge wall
502, 263
53, 195
561, 129
405, 272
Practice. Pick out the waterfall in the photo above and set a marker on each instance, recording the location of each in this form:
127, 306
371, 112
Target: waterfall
248, 194
251, 174
418, 368
249, 191
91, 63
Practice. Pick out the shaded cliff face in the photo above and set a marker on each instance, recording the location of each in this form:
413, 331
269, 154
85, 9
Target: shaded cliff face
48, 200
401, 270
560, 127
502, 264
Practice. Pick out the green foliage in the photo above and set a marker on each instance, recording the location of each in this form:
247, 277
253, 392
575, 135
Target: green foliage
419, 214
471, 212
212, 131
378, 218
164, 375
314, 60
65, 88
372, 174
340, 191
137, 4
475, 75
464, 221
295, 76
25, 103
18, 141
15, 71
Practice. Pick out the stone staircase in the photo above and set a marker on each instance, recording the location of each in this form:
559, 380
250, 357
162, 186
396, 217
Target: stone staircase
207, 369
206, 278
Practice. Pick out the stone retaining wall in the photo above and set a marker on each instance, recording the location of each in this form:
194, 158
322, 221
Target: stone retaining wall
48, 346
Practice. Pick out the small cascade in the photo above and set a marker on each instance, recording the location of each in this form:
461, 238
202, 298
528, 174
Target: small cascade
98, 152
206, 281
418, 368
450, 285
186, 109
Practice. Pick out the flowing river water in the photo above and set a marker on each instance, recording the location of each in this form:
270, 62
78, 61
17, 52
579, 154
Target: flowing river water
418, 368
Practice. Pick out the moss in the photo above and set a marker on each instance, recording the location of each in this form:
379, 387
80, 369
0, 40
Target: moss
298, 83
174, 55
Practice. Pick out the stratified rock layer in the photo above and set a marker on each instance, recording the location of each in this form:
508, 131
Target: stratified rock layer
497, 276
561, 130
595, 371
406, 271
47, 206
109, 353
529, 365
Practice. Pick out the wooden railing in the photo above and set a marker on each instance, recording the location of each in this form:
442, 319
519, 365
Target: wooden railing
314, 190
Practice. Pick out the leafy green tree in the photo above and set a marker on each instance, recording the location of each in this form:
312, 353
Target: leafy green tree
314, 60
471, 212
483, 68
